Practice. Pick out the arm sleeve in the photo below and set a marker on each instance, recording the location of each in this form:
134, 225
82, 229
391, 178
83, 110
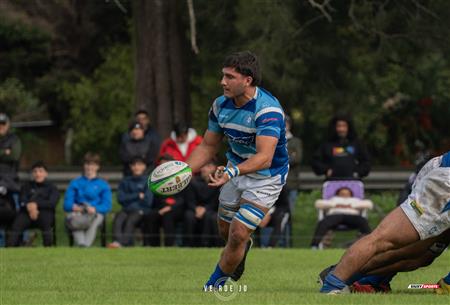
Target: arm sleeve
16, 151
51, 200
269, 122
125, 197
213, 123
123, 154
318, 163
363, 166
24, 196
69, 197
105, 204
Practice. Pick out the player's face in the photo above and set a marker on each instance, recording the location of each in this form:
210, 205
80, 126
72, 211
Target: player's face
39, 174
342, 129
138, 168
234, 83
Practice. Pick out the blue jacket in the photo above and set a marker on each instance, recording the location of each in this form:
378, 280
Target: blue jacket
128, 194
95, 192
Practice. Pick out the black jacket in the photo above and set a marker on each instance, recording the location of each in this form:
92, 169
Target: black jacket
346, 157
45, 194
146, 148
9, 162
200, 194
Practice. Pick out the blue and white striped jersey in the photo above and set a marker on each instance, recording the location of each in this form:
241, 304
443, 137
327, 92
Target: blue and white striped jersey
261, 116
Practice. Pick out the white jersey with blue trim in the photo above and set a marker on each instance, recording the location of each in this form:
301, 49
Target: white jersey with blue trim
261, 116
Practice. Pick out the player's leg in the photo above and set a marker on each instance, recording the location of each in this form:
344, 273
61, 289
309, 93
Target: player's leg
395, 231
245, 221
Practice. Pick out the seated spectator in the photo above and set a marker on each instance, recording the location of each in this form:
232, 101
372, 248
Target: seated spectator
182, 141
200, 217
165, 212
342, 209
136, 199
38, 200
342, 155
136, 145
90, 196
8, 189
142, 117
276, 218
10, 150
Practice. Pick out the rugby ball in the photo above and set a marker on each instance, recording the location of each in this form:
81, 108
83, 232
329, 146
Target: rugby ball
169, 178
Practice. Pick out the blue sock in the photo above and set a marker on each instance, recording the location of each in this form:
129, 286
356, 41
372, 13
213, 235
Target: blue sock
447, 279
332, 282
215, 276
376, 280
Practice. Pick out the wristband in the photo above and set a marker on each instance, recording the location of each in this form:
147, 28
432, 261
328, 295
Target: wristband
232, 171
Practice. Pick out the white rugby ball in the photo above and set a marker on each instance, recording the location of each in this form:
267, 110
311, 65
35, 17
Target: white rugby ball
170, 178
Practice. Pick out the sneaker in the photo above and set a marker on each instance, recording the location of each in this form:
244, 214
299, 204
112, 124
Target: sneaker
114, 245
323, 274
444, 288
236, 275
344, 290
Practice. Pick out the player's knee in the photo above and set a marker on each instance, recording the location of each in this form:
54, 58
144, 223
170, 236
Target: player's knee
238, 237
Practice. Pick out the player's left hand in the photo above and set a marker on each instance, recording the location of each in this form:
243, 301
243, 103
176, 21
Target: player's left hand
219, 178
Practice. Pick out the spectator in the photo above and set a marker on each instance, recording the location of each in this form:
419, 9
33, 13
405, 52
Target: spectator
136, 199
166, 212
201, 211
38, 200
343, 155
342, 209
10, 150
8, 189
88, 195
277, 218
181, 142
295, 150
136, 145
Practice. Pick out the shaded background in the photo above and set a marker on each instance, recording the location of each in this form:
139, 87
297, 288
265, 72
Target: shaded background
72, 72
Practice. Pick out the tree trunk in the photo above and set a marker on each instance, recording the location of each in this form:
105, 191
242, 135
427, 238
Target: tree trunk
161, 80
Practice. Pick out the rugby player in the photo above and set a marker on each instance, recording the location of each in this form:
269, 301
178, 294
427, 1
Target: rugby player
253, 122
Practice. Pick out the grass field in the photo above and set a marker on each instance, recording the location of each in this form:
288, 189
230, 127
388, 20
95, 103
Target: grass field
176, 275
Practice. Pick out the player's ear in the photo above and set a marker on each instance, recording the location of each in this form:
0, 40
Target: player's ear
248, 80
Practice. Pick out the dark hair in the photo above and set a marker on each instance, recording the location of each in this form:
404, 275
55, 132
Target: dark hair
39, 164
245, 63
137, 159
180, 128
91, 157
141, 111
332, 134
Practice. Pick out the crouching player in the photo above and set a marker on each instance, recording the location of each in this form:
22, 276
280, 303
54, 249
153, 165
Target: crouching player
420, 221
253, 122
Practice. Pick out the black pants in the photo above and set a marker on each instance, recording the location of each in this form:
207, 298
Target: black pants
333, 221
23, 222
124, 225
276, 221
152, 223
201, 232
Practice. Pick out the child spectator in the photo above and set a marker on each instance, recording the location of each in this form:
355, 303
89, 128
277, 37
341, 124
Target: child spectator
136, 199
182, 141
165, 213
90, 196
201, 212
342, 209
38, 200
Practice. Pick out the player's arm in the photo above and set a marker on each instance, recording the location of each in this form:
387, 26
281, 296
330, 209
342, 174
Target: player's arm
206, 151
265, 149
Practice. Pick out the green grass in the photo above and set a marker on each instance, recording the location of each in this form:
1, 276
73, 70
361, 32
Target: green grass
176, 275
